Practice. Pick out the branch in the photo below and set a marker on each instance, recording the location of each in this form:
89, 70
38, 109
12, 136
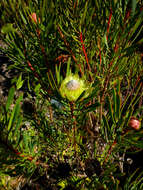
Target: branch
84, 51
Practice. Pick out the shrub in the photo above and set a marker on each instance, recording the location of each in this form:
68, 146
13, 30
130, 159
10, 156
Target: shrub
82, 62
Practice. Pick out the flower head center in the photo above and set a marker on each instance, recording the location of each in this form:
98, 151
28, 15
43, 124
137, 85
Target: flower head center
73, 85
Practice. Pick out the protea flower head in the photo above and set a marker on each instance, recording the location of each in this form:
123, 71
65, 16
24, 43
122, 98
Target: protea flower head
72, 87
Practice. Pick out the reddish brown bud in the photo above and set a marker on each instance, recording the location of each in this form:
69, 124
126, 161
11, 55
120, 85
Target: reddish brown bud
134, 123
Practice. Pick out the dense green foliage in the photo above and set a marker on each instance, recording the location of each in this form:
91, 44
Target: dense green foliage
79, 142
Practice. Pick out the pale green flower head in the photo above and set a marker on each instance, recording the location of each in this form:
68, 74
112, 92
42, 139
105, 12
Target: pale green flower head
72, 87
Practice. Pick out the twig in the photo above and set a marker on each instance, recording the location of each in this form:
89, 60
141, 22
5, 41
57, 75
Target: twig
43, 49
110, 150
75, 4
74, 124
69, 49
67, 44
103, 95
84, 51
108, 24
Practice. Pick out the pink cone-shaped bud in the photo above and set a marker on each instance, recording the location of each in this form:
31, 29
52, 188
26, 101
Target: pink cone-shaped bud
34, 17
134, 123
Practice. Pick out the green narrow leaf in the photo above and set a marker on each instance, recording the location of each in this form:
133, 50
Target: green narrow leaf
118, 105
124, 103
43, 8
19, 82
68, 67
49, 79
138, 111
65, 33
84, 14
134, 4
10, 97
134, 98
18, 140
136, 26
37, 89
18, 49
32, 145
15, 113
106, 126
13, 117
118, 86
114, 103
110, 109
18, 124
52, 77
25, 140
137, 34
105, 41
28, 83
23, 18
58, 70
